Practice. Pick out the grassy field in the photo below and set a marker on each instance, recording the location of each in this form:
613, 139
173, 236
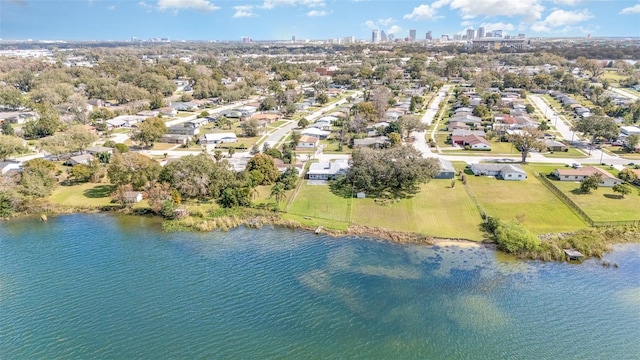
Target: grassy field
437, 210
528, 201
317, 201
572, 153
83, 195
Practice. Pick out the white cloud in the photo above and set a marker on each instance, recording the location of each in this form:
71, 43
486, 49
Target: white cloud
111, 7
270, 4
529, 10
561, 18
386, 22
498, 26
198, 5
395, 29
317, 13
567, 2
243, 11
370, 24
466, 23
631, 10
422, 12
145, 6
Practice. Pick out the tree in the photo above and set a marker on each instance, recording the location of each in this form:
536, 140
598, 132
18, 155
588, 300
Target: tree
395, 139
264, 164
250, 127
133, 169
150, 131
597, 127
80, 137
481, 111
527, 141
10, 145
6, 128
289, 178
158, 194
217, 155
590, 183
37, 178
48, 123
529, 108
393, 172
234, 195
303, 123
512, 237
268, 103
198, 176
224, 121
632, 142
322, 98
278, 192
409, 123
157, 101
622, 189
231, 151
367, 111
627, 175
80, 173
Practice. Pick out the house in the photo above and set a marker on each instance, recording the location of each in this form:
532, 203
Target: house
456, 125
148, 113
372, 142
327, 170
320, 134
7, 166
322, 125
553, 145
99, 149
218, 138
96, 102
467, 119
125, 120
630, 130
266, 118
184, 106
80, 159
393, 115
462, 132
246, 110
168, 111
196, 123
506, 172
308, 142
175, 139
582, 173
474, 142
447, 171
183, 130
132, 197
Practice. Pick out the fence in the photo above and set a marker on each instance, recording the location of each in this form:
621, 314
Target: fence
565, 199
573, 206
483, 214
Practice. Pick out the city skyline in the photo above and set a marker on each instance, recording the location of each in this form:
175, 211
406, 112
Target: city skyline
310, 19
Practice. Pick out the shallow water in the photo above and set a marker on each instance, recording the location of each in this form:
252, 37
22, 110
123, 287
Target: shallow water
106, 286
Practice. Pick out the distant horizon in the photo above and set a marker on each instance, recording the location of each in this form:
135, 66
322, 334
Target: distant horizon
262, 20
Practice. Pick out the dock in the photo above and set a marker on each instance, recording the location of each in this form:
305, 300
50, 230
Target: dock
573, 255
318, 230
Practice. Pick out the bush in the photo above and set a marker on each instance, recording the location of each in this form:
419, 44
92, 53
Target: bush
514, 238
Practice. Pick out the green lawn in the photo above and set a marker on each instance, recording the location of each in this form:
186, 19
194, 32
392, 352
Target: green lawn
331, 146
530, 201
278, 123
603, 204
83, 195
437, 210
572, 153
183, 114
317, 201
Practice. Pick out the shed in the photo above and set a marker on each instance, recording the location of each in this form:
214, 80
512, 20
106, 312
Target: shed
447, 171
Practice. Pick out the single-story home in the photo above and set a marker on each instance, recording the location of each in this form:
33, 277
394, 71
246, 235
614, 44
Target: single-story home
148, 113
467, 119
132, 197
506, 172
456, 125
320, 134
322, 125
218, 138
266, 118
553, 145
447, 171
183, 130
579, 174
99, 149
327, 170
196, 123
168, 111
6, 166
474, 142
372, 142
184, 106
175, 139
80, 159
329, 118
308, 142
630, 130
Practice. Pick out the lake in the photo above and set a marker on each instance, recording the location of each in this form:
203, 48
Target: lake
105, 286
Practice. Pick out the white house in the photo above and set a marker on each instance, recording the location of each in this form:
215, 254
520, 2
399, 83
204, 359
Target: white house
218, 138
630, 130
506, 172
308, 142
320, 134
6, 166
329, 118
327, 170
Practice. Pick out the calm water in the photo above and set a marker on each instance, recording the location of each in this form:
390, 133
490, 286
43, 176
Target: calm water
101, 286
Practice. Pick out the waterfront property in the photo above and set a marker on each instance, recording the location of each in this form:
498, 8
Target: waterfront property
327, 170
447, 171
505, 172
579, 174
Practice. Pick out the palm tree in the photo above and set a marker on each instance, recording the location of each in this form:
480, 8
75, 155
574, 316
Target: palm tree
217, 155
232, 150
278, 192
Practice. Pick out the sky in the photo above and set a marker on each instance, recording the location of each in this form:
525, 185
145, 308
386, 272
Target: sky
310, 19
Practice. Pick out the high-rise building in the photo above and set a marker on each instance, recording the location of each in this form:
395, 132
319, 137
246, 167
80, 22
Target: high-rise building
470, 34
374, 36
412, 34
383, 36
497, 33
480, 32
457, 37
293, 39
445, 37
489, 34
428, 36
521, 36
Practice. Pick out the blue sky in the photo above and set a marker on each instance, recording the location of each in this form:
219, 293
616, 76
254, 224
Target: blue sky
309, 19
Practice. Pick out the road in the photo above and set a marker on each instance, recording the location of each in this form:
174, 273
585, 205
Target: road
625, 94
429, 115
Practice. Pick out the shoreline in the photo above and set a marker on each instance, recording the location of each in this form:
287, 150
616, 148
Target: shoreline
598, 241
